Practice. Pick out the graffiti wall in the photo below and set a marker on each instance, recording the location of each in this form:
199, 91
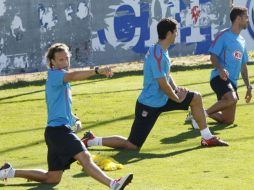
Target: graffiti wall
248, 34
102, 32
29, 27
124, 30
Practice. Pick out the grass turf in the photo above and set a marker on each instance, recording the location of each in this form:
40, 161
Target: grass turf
171, 158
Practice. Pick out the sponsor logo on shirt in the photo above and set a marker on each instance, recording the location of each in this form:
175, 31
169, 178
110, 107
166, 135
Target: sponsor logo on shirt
238, 55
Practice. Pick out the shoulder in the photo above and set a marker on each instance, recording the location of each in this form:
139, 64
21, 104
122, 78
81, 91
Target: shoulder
149, 52
220, 36
56, 71
223, 32
54, 74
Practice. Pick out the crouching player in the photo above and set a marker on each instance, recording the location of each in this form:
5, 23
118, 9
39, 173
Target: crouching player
64, 147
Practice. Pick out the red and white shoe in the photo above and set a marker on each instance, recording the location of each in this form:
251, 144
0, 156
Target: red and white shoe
87, 136
214, 141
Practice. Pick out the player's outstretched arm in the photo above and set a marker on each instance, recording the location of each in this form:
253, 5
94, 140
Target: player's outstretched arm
82, 75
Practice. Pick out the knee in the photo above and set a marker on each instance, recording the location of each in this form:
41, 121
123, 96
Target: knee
87, 157
234, 101
231, 102
228, 121
131, 146
53, 180
197, 97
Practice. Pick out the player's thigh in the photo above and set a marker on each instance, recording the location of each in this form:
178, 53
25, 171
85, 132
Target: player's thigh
84, 158
230, 96
145, 118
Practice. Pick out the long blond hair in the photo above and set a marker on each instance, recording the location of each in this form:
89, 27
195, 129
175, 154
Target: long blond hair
53, 49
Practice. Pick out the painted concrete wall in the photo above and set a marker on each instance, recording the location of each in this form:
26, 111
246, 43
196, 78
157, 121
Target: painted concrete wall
129, 27
102, 31
28, 27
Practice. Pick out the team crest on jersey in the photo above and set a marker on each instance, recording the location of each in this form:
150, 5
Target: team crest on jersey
237, 55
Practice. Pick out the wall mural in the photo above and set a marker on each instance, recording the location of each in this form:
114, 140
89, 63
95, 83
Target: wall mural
102, 33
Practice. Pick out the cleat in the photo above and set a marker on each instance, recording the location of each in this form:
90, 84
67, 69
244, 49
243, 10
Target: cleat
121, 183
6, 171
188, 117
87, 136
214, 141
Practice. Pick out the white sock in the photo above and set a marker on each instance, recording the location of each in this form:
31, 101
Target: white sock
206, 133
97, 141
12, 173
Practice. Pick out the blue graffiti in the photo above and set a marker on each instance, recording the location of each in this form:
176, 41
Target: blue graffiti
126, 22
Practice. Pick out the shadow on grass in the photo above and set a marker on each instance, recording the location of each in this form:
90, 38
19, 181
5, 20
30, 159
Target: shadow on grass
195, 133
80, 175
20, 84
30, 186
129, 157
21, 131
74, 95
98, 124
22, 146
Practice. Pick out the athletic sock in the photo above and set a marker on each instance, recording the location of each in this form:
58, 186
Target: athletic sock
97, 141
206, 133
12, 173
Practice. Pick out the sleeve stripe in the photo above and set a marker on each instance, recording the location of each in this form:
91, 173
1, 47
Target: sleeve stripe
218, 36
158, 59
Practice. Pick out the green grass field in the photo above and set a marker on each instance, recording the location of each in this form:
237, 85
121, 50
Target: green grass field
171, 158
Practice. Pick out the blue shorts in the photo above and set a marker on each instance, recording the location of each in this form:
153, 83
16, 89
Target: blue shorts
63, 144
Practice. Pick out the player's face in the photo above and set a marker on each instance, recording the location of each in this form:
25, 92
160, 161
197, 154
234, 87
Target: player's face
173, 36
244, 21
61, 60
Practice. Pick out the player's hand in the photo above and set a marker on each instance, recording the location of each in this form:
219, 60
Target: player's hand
106, 71
248, 96
180, 88
78, 126
181, 93
223, 74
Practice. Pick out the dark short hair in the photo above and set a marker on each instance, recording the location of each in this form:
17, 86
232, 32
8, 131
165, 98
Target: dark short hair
164, 26
237, 11
53, 49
